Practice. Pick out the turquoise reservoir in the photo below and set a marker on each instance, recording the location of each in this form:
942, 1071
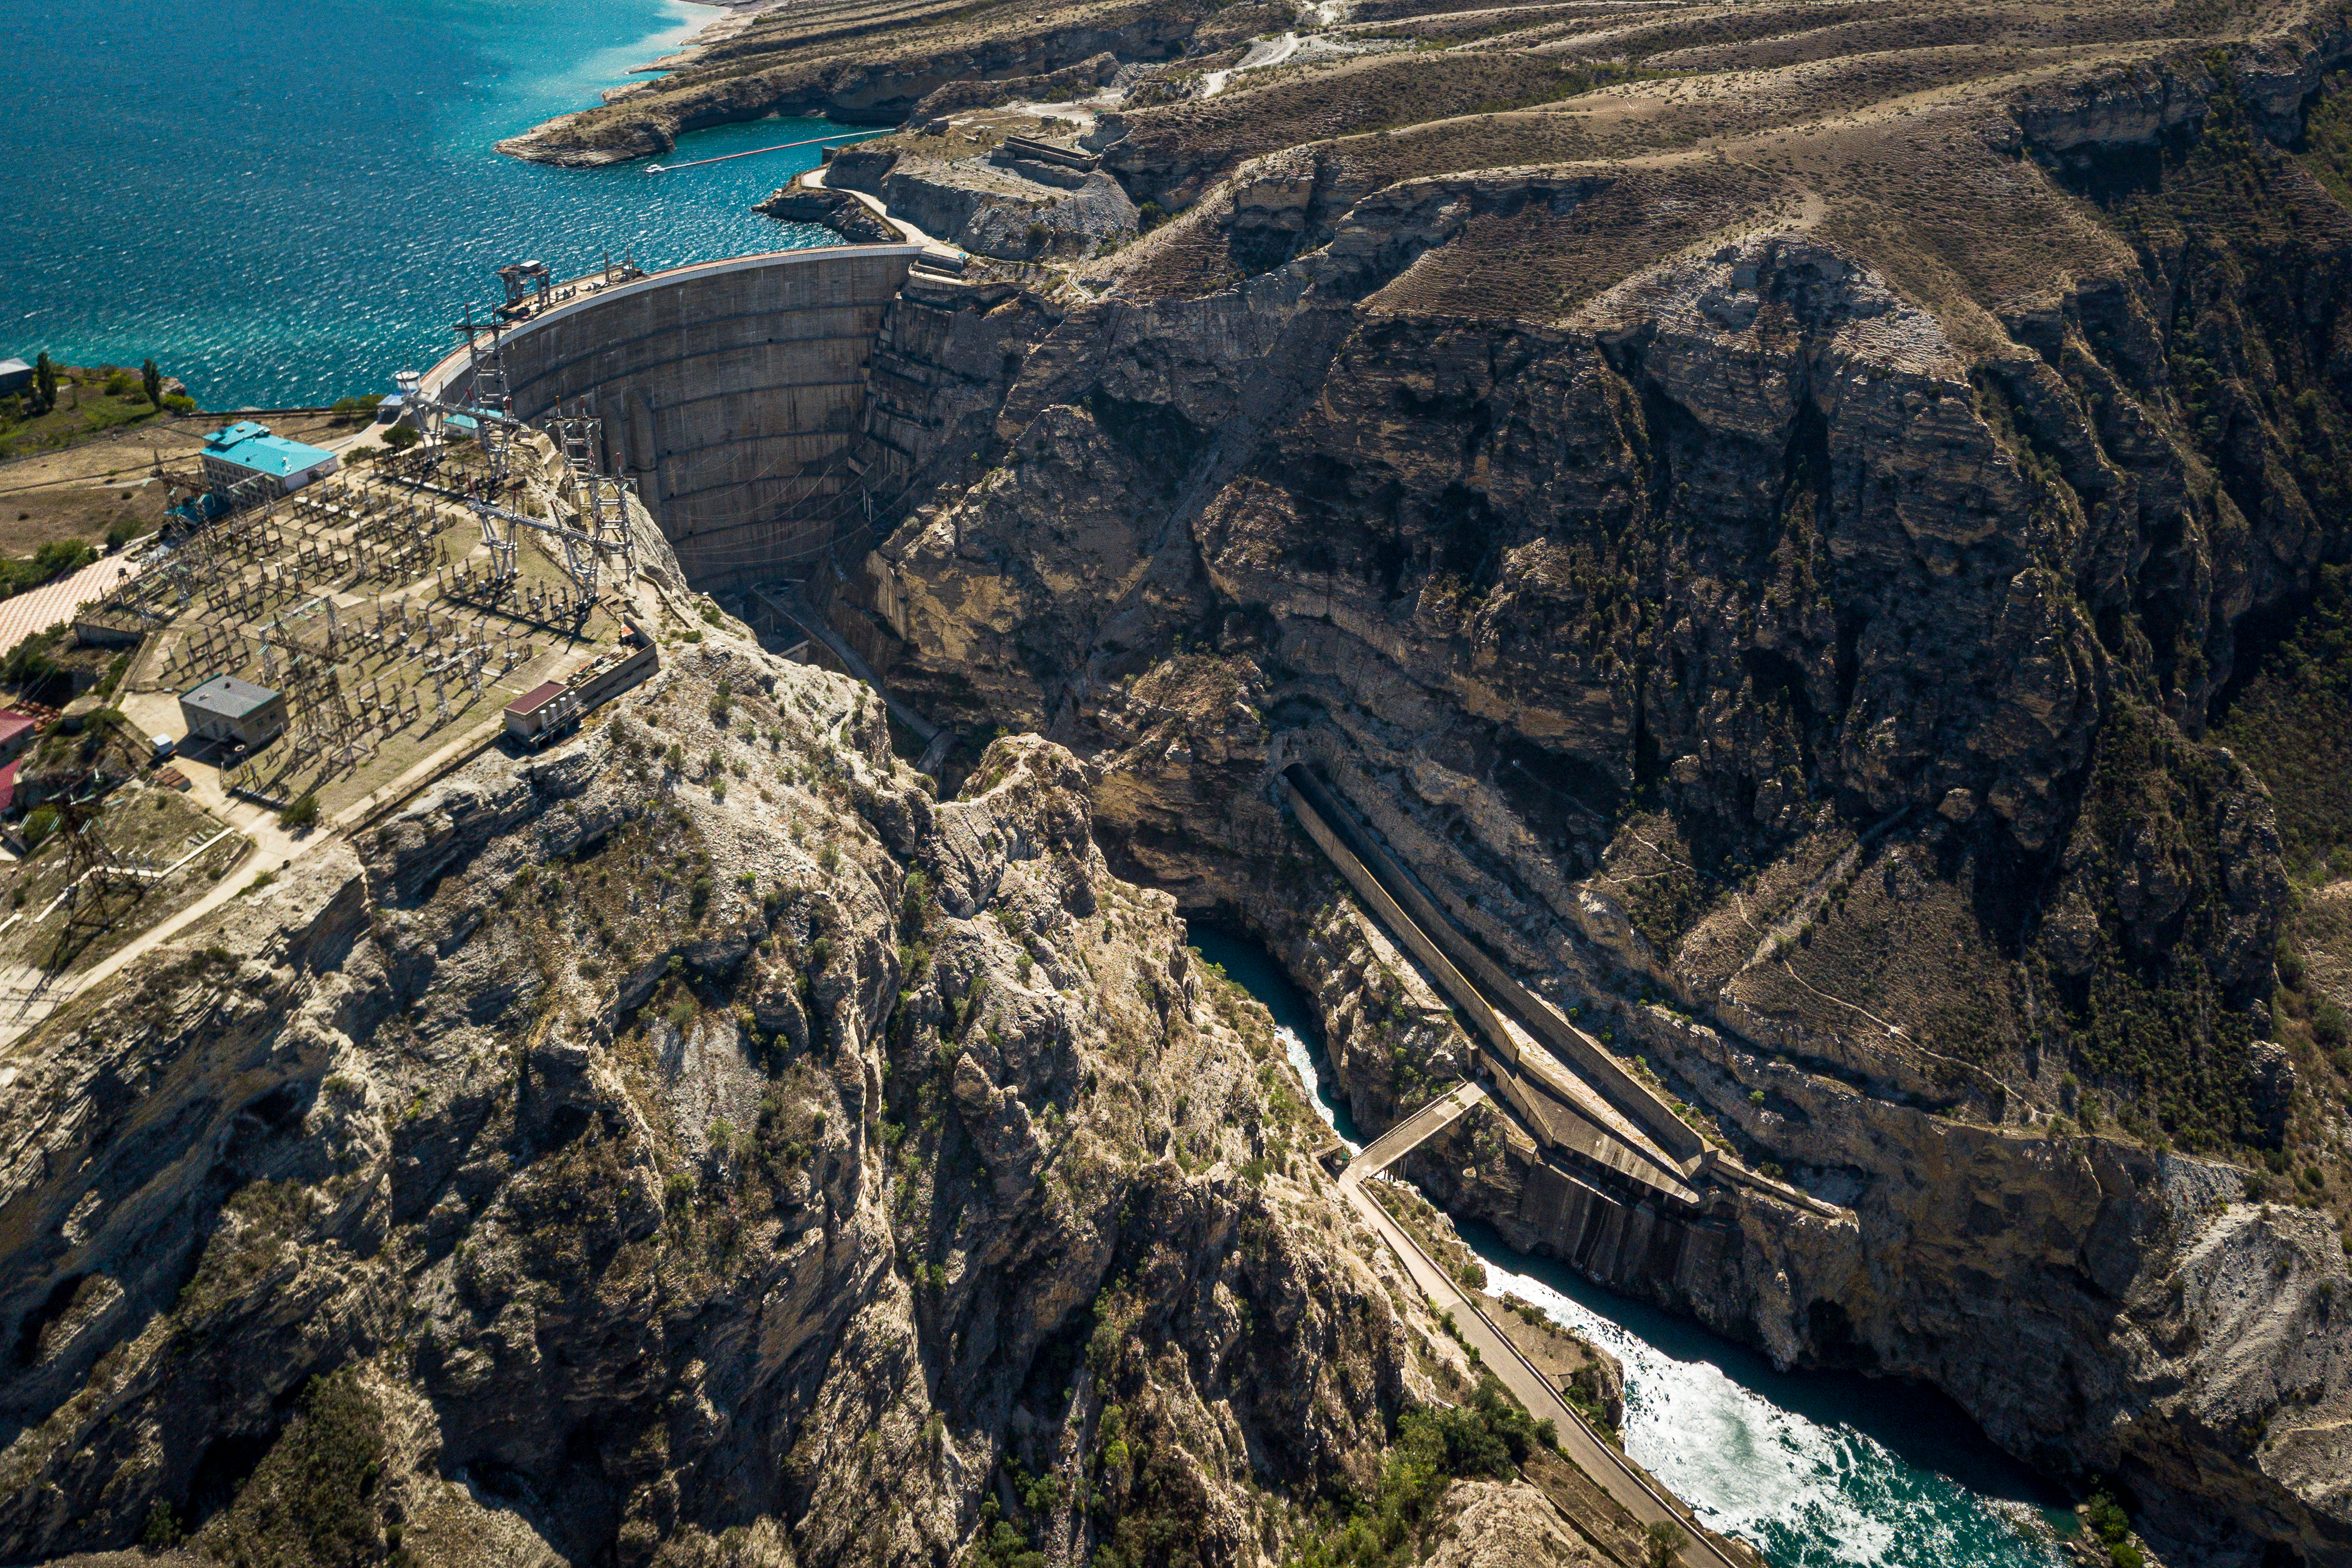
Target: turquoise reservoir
1817, 1469
284, 204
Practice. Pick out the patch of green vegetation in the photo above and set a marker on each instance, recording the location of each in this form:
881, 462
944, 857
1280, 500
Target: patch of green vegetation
2152, 1021
309, 1504
257, 1222
161, 1532
1662, 1544
1001, 1544
2327, 137
1488, 1436
48, 563
1662, 893
68, 405
2107, 1525
2292, 723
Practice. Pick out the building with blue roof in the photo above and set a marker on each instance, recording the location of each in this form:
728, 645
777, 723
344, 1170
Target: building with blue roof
239, 453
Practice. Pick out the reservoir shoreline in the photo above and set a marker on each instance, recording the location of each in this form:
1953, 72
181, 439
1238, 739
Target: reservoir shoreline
264, 280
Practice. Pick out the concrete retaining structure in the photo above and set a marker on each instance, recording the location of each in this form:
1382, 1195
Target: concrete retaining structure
1385, 884
729, 390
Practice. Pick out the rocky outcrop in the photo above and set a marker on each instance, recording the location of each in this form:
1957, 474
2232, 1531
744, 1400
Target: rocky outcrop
1726, 585
694, 1144
839, 211
1070, 81
870, 70
1012, 209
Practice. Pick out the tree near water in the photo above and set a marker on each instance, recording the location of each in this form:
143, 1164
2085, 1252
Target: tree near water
45, 383
151, 381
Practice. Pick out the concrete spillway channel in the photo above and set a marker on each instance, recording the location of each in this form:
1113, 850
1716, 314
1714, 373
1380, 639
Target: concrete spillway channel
1585, 1109
1624, 1189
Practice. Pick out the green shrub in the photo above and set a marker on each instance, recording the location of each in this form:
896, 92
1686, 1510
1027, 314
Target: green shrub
311, 1500
161, 1532
2292, 725
302, 814
1487, 1436
2107, 1519
51, 560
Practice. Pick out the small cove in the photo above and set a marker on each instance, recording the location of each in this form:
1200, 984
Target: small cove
1818, 1469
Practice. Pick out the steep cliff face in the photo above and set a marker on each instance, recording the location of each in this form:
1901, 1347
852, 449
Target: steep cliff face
695, 1145
1772, 543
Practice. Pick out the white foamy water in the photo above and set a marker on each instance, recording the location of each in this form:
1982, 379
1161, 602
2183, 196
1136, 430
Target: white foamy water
1818, 1471
1302, 1058
1808, 1487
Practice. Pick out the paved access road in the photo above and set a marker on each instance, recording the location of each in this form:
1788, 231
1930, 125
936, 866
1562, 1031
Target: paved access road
1593, 1455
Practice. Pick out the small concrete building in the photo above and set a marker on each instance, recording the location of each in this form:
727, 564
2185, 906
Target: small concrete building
236, 453
542, 710
15, 376
236, 712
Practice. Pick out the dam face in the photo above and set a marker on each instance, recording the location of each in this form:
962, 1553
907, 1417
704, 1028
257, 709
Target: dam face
729, 391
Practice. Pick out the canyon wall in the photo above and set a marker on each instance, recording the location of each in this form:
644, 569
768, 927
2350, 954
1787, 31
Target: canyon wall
1780, 624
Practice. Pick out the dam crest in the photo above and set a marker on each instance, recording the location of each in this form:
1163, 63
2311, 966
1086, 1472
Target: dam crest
736, 394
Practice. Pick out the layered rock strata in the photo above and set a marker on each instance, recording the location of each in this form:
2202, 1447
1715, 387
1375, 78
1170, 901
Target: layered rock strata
1770, 544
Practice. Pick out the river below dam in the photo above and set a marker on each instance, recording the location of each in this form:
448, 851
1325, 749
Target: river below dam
1817, 1469
285, 205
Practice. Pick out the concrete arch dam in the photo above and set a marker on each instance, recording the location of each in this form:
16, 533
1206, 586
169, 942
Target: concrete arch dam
731, 391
